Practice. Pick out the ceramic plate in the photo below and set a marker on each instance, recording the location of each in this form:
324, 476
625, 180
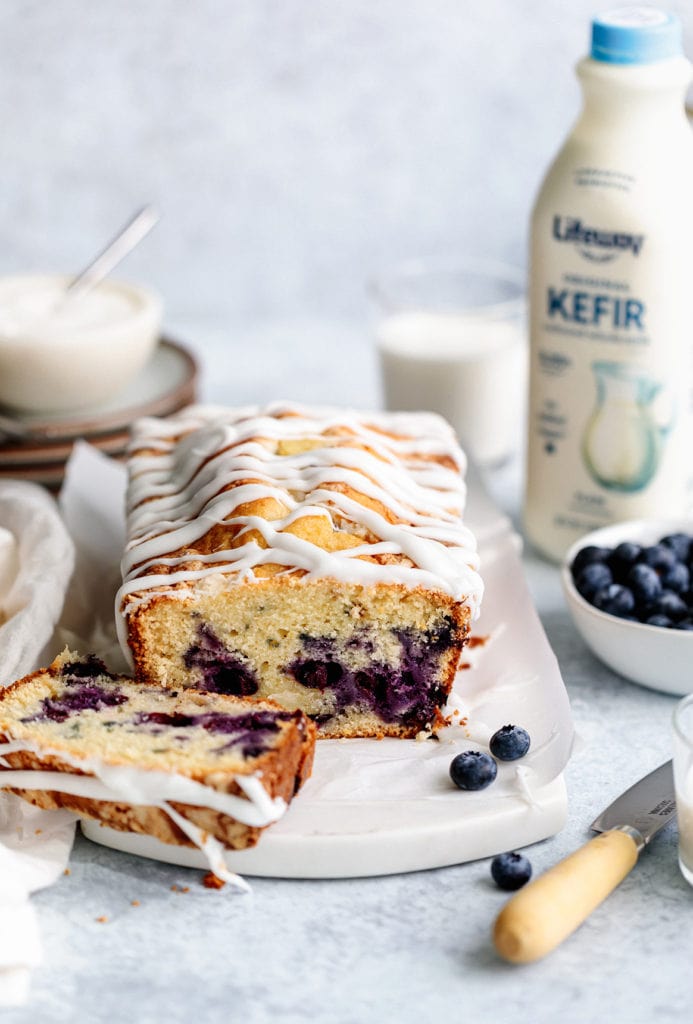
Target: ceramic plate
379, 807
46, 456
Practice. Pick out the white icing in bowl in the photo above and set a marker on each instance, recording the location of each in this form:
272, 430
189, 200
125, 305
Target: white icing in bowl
64, 354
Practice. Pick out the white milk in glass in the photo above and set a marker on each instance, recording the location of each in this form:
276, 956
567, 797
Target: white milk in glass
684, 814
470, 368
683, 781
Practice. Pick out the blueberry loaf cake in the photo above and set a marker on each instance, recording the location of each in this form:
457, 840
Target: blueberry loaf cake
315, 557
141, 758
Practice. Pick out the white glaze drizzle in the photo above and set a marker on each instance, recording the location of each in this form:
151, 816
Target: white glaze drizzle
141, 787
178, 494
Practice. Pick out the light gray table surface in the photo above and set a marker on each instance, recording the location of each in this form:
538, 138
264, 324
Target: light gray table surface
404, 948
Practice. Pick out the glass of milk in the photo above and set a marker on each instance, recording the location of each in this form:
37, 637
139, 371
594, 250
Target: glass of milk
452, 339
683, 782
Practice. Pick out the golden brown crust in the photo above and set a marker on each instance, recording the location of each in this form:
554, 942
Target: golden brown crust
333, 531
282, 776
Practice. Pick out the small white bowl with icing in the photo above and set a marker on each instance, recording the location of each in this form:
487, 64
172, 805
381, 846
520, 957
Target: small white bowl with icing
61, 353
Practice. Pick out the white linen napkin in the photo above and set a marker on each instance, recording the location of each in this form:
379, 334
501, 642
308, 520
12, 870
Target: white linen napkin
36, 561
35, 847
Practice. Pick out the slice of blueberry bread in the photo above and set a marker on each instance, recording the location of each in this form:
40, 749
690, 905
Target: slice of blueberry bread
142, 758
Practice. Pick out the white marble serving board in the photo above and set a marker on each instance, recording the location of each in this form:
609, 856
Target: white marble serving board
375, 807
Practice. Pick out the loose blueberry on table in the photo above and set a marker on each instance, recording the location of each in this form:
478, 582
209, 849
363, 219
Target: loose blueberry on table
650, 584
510, 871
509, 743
472, 769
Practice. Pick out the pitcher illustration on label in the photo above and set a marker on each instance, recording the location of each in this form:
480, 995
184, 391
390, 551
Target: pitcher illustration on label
622, 444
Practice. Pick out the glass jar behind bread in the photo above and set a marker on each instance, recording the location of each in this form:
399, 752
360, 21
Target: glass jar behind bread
611, 332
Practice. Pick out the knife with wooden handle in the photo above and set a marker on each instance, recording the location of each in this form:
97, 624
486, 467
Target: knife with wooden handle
549, 909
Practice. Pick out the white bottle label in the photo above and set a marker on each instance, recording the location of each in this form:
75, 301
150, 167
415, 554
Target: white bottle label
611, 367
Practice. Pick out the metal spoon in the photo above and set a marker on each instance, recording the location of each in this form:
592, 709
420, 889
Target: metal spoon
117, 249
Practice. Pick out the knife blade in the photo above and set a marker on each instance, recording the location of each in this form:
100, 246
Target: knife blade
645, 808
547, 910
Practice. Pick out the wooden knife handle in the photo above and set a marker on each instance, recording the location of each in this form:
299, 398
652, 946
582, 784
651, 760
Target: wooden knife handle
548, 909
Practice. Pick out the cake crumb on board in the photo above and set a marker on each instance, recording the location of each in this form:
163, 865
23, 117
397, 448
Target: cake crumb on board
211, 881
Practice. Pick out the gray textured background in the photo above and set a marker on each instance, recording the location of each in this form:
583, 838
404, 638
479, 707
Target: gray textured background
295, 146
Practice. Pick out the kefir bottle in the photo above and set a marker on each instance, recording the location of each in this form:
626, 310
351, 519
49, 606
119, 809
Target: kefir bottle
611, 294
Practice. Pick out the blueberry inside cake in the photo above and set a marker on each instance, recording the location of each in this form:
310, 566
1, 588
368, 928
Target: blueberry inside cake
74, 717
317, 558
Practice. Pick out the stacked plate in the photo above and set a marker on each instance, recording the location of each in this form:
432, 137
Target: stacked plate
167, 384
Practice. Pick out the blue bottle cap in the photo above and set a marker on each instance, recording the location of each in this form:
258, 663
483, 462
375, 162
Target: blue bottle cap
636, 35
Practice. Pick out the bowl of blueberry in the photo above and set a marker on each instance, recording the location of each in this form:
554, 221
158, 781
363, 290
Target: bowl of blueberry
629, 588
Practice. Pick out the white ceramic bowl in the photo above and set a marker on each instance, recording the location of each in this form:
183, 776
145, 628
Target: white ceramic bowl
60, 355
650, 655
